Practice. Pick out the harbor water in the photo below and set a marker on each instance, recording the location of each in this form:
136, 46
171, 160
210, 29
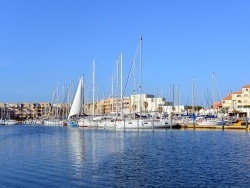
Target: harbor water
56, 156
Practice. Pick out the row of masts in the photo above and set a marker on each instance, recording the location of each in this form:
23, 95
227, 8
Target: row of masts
121, 80
122, 88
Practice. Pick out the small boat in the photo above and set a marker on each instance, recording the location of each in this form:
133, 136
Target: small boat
52, 122
8, 122
72, 123
213, 121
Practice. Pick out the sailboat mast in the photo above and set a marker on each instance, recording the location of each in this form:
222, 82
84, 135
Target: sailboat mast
83, 110
93, 88
173, 110
121, 90
192, 95
112, 94
117, 85
57, 102
213, 95
140, 76
133, 105
178, 99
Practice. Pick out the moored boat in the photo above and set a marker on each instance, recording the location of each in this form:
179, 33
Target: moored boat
213, 121
8, 122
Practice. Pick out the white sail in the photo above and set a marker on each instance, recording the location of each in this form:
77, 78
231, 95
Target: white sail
77, 102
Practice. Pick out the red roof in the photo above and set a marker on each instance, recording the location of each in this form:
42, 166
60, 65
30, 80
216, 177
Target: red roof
246, 86
229, 97
237, 92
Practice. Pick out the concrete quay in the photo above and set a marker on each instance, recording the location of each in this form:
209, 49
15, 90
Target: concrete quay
219, 127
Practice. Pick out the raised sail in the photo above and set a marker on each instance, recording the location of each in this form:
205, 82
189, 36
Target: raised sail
78, 100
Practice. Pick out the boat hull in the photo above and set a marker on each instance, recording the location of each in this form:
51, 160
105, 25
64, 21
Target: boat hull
142, 124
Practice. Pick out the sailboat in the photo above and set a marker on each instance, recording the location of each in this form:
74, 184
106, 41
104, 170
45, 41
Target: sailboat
138, 123
76, 107
90, 121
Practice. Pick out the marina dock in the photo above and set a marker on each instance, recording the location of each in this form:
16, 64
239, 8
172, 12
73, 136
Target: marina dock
232, 127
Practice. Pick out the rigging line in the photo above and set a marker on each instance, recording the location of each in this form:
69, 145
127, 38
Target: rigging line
188, 96
88, 84
128, 77
131, 69
217, 89
111, 80
65, 94
210, 96
206, 97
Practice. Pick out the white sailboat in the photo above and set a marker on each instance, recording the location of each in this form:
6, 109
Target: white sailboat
90, 121
139, 123
76, 107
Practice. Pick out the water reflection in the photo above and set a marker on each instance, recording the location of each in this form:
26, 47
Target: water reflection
70, 157
76, 146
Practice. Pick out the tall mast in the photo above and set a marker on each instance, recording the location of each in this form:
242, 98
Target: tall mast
133, 105
93, 88
173, 102
178, 99
121, 90
117, 85
140, 76
57, 102
83, 101
213, 95
112, 94
192, 95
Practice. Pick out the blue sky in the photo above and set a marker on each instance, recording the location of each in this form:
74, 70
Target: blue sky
50, 42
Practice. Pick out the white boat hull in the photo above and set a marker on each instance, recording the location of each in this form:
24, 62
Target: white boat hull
141, 124
8, 122
212, 122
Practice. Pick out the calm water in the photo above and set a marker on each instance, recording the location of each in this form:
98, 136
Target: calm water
43, 156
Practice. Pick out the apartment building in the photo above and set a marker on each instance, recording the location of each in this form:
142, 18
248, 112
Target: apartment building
107, 106
238, 101
136, 103
23, 111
